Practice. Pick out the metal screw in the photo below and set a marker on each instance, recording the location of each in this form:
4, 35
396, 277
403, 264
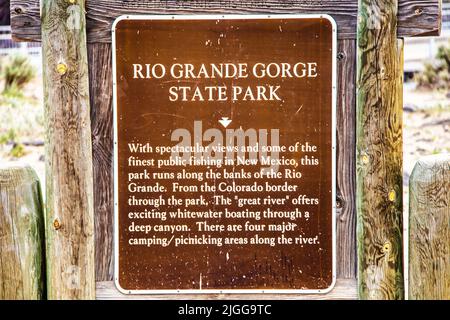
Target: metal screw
56, 224
338, 203
365, 158
387, 247
392, 195
61, 68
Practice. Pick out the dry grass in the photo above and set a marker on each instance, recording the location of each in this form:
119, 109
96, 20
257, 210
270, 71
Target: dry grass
22, 122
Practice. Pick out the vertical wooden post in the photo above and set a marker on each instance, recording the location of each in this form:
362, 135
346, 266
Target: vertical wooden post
429, 229
346, 212
100, 75
379, 152
22, 256
4, 13
70, 218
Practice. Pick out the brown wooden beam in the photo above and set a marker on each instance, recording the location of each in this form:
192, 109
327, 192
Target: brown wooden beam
379, 157
100, 88
346, 170
4, 13
345, 289
415, 17
68, 156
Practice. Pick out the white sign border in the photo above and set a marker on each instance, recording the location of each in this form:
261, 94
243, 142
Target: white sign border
116, 170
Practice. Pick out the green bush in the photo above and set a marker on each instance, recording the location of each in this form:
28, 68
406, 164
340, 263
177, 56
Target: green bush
428, 77
9, 136
17, 72
17, 151
436, 75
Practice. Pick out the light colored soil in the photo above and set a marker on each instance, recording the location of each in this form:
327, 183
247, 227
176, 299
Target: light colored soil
425, 132
424, 99
25, 117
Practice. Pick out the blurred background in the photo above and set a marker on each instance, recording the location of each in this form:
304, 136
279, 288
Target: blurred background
21, 99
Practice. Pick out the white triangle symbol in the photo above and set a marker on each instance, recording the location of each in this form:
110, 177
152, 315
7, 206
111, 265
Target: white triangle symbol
225, 121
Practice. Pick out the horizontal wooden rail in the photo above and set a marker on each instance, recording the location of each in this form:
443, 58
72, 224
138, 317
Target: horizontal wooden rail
415, 17
345, 289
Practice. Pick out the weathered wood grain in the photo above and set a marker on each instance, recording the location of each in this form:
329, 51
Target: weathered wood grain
345, 289
379, 152
70, 218
22, 256
416, 17
100, 75
429, 229
346, 116
4, 13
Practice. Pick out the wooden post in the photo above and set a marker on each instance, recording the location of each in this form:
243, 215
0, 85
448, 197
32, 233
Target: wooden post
346, 114
70, 222
379, 152
429, 229
100, 75
22, 256
4, 13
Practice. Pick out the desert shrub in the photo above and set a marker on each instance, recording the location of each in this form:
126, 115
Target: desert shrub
7, 137
17, 151
17, 71
443, 56
436, 75
428, 77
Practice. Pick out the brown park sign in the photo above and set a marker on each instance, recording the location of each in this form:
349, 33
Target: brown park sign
224, 153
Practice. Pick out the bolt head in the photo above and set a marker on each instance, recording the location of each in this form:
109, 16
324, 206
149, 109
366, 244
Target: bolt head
61, 68
392, 196
365, 159
56, 224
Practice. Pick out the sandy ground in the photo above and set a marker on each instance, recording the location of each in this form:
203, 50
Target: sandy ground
25, 117
425, 132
